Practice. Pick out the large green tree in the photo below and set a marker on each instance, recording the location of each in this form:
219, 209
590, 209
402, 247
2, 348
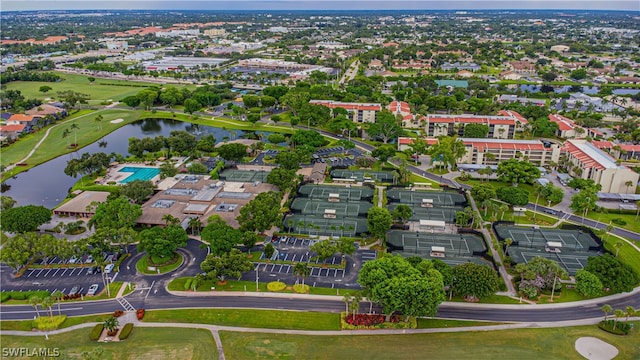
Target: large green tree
478, 131
515, 172
474, 280
116, 213
228, 265
379, 221
324, 249
539, 274
162, 242
588, 284
6, 202
24, 218
402, 213
483, 192
233, 151
447, 151
282, 178
220, 236
613, 273
393, 283
138, 190
386, 127
261, 213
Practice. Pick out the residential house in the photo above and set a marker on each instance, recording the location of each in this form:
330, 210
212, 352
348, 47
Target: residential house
560, 48
11, 132
509, 75
359, 112
587, 161
460, 66
567, 129
402, 109
45, 110
521, 67
29, 121
522, 100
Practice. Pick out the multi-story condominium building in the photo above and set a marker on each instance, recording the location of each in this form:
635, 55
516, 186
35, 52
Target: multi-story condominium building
503, 126
493, 151
358, 112
567, 129
585, 160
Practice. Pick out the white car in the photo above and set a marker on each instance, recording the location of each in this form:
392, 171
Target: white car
108, 269
93, 289
73, 260
89, 260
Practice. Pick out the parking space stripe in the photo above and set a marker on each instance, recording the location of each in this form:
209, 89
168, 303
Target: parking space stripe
72, 270
45, 275
65, 270
54, 274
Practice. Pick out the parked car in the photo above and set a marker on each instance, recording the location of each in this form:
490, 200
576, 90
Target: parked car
108, 269
89, 260
74, 259
551, 212
74, 290
93, 270
93, 289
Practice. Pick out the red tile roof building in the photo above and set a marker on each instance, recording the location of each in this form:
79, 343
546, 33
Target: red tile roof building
587, 161
404, 110
359, 112
567, 129
503, 126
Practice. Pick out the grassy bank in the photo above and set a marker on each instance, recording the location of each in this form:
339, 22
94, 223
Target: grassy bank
271, 319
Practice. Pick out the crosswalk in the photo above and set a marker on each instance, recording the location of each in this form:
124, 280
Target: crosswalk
125, 304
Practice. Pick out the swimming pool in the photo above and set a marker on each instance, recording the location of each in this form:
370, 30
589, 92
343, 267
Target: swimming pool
139, 173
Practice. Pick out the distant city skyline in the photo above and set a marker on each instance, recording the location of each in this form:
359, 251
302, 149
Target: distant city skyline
626, 5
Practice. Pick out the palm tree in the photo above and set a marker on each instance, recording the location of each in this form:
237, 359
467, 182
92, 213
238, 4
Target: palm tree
170, 219
302, 270
606, 308
617, 245
47, 302
194, 223
618, 313
347, 299
630, 311
111, 324
99, 119
35, 300
65, 134
75, 128
507, 242
503, 208
58, 295
356, 298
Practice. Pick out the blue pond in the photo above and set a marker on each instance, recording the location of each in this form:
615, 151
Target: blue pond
139, 173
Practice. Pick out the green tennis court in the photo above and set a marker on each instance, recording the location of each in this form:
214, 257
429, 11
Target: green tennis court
539, 237
446, 214
361, 175
324, 192
320, 226
443, 198
320, 207
243, 175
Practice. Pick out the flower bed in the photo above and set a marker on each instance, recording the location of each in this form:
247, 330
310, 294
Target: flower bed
276, 286
49, 323
118, 313
140, 314
301, 289
375, 321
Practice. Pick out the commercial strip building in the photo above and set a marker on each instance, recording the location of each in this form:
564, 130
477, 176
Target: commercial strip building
358, 112
589, 162
294, 69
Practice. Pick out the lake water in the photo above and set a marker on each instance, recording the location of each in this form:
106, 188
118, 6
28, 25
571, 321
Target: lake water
47, 184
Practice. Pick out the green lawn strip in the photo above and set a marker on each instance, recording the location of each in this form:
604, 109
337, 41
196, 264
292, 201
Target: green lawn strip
446, 323
566, 295
627, 253
26, 325
270, 319
113, 287
528, 218
554, 343
633, 222
493, 299
143, 343
499, 184
100, 90
177, 284
143, 264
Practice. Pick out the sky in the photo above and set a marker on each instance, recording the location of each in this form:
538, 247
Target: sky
11, 5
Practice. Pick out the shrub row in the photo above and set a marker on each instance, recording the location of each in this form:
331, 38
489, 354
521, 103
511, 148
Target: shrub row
126, 330
71, 297
621, 328
301, 289
49, 323
4, 297
118, 313
187, 284
276, 286
23, 295
96, 332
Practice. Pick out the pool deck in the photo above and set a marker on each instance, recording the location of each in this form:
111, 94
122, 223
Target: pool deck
114, 174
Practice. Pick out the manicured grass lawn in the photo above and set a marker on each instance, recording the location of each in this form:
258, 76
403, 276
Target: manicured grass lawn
26, 325
79, 83
494, 299
270, 319
566, 295
143, 264
627, 253
633, 223
556, 343
527, 218
443, 323
143, 343
249, 286
499, 184
113, 287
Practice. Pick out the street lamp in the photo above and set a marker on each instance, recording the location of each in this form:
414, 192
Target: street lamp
554, 287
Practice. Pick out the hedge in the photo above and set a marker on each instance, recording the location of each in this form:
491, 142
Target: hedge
4, 297
276, 286
622, 328
23, 295
187, 284
126, 330
411, 324
49, 323
96, 332
301, 289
